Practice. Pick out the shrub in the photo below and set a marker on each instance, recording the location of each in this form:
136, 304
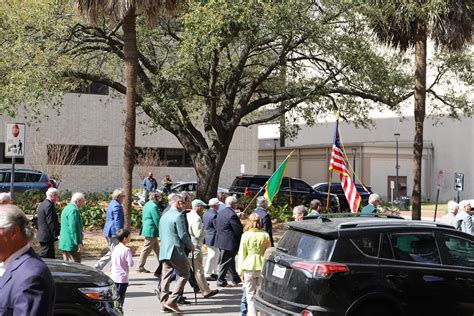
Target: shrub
28, 201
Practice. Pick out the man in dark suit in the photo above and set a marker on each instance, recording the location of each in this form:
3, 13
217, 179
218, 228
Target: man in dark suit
26, 284
48, 224
229, 231
209, 220
265, 219
114, 221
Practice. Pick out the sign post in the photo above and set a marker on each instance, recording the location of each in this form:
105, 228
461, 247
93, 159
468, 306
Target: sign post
439, 185
458, 183
14, 147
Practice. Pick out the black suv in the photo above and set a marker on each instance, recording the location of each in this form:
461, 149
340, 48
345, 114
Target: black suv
336, 188
367, 267
82, 291
300, 191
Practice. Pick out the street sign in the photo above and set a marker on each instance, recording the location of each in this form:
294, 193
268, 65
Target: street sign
440, 179
458, 181
15, 140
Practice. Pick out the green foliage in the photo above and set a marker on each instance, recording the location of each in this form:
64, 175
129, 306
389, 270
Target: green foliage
98, 196
281, 213
29, 200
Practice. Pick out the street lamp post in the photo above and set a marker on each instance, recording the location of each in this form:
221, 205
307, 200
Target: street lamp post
397, 136
354, 153
274, 153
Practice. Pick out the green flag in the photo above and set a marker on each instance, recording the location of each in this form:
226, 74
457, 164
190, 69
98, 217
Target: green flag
273, 184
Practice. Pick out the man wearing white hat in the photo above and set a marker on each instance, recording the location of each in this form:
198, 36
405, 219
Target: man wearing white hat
209, 218
196, 232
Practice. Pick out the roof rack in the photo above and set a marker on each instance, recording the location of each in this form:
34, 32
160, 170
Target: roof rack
328, 216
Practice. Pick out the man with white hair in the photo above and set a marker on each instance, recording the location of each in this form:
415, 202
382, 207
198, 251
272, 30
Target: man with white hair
371, 208
299, 212
70, 241
463, 218
209, 220
114, 220
5, 198
150, 230
48, 224
26, 284
265, 219
450, 217
229, 231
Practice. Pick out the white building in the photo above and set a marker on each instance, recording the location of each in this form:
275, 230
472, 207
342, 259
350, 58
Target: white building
95, 122
448, 147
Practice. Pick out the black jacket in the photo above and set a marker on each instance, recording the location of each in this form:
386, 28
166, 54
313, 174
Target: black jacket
266, 222
229, 230
209, 219
48, 222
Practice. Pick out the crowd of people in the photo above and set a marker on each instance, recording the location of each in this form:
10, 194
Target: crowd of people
177, 235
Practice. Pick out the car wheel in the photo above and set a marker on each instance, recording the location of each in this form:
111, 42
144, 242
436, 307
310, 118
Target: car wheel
375, 309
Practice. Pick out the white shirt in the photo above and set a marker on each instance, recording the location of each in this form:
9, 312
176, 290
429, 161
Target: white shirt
4, 265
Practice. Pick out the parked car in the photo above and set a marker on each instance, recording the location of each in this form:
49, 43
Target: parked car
336, 188
300, 191
25, 180
82, 291
368, 266
191, 186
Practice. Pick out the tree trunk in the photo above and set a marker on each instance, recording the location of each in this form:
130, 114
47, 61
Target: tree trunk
208, 169
420, 99
130, 53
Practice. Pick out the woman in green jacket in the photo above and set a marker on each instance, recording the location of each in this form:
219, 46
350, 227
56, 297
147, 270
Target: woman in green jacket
253, 244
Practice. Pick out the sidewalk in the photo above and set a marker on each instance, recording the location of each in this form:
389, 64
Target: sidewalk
140, 299
425, 215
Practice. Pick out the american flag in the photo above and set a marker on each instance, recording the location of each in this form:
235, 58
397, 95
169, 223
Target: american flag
338, 165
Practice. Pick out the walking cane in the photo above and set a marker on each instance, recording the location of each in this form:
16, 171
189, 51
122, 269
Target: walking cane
194, 274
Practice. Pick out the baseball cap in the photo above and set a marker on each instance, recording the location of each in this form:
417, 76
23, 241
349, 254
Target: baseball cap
196, 203
214, 201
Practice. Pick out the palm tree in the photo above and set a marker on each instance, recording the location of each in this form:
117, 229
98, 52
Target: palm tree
409, 23
127, 10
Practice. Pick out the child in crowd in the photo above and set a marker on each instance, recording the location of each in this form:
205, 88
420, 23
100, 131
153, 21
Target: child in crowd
121, 262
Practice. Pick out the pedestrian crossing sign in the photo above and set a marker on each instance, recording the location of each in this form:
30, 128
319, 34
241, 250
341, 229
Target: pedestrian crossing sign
15, 140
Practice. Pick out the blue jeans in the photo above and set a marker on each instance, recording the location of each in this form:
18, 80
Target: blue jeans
243, 303
121, 289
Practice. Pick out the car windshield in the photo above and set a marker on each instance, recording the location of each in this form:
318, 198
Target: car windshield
306, 246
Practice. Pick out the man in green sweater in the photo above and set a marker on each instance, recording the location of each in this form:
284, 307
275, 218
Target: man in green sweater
70, 240
150, 222
371, 208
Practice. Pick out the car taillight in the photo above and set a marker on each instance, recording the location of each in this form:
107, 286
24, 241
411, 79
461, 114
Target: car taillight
247, 192
49, 185
320, 269
306, 313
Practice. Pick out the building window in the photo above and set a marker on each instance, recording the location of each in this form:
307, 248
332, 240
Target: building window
6, 160
169, 157
92, 88
77, 155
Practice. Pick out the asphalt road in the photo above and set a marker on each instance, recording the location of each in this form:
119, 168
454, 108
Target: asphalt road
140, 299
